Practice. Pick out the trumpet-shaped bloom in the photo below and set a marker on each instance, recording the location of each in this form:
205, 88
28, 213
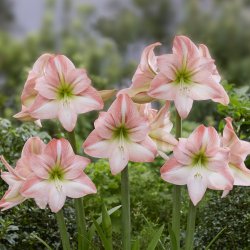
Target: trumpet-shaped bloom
29, 93
200, 163
145, 73
121, 134
239, 150
57, 173
15, 177
186, 75
159, 127
64, 92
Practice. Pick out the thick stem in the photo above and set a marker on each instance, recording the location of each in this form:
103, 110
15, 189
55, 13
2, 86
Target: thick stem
177, 192
190, 226
63, 230
126, 223
81, 224
79, 207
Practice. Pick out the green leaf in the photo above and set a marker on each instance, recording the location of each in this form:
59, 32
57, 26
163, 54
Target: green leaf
107, 226
215, 238
43, 242
101, 235
172, 238
99, 220
106, 223
156, 237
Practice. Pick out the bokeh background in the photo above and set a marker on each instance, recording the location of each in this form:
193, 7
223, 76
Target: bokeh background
107, 37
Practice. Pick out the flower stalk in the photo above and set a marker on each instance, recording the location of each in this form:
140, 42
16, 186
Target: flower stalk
176, 214
190, 226
79, 206
63, 230
126, 222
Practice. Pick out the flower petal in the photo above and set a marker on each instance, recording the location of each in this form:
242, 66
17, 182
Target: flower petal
79, 187
174, 172
56, 199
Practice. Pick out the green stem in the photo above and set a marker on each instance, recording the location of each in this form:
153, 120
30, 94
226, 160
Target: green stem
79, 207
126, 223
63, 230
190, 226
176, 214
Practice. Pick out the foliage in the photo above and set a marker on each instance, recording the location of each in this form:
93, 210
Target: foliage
232, 213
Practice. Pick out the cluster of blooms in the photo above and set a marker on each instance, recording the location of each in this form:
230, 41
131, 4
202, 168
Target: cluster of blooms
130, 130
46, 173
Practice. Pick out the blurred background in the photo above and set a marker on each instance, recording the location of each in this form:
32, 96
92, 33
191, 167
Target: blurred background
107, 38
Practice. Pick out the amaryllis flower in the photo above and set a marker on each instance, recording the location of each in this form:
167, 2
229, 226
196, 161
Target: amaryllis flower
145, 73
57, 173
159, 127
200, 163
64, 92
185, 76
29, 93
121, 134
239, 150
15, 177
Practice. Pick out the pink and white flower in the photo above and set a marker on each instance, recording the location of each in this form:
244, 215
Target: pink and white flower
239, 150
15, 177
57, 173
121, 134
145, 73
29, 93
186, 75
200, 163
64, 92
159, 127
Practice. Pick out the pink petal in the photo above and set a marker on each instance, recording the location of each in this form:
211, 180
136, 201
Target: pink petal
79, 187
41, 165
162, 88
104, 125
35, 187
241, 175
67, 116
59, 65
145, 151
44, 109
148, 58
119, 159
86, 101
47, 87
209, 88
220, 180
56, 199
33, 145
76, 167
95, 146
197, 186
174, 172
229, 136
183, 104
168, 64
184, 49
78, 79
123, 110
